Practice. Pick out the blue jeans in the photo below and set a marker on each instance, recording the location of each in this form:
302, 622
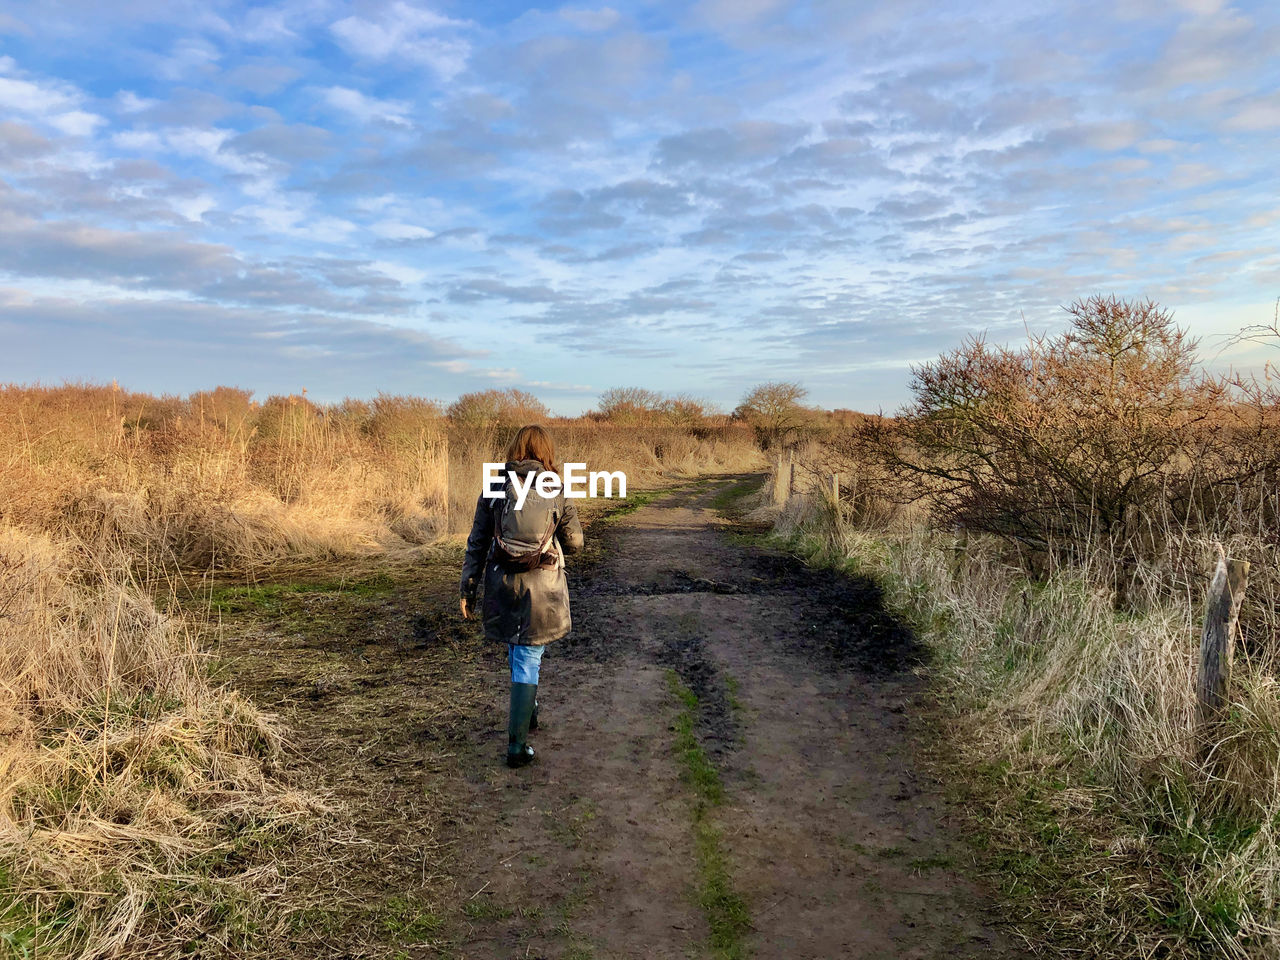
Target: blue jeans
524, 661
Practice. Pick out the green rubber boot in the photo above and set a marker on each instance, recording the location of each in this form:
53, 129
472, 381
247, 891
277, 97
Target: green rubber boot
518, 751
533, 717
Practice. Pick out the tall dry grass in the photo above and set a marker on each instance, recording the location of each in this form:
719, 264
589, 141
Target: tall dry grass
140, 811
1047, 519
213, 479
127, 779
133, 789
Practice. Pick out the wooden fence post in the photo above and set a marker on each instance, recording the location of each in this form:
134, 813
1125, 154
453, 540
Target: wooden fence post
835, 488
791, 472
1217, 643
782, 480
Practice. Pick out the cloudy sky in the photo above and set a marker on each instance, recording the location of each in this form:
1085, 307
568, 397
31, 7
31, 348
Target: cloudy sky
689, 196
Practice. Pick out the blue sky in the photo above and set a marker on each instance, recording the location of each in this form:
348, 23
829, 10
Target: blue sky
692, 197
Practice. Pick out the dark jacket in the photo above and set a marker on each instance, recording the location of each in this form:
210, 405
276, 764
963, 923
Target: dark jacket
527, 607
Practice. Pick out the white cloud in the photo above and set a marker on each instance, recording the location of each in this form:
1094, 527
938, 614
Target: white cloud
1186, 176
264, 25
53, 102
368, 109
34, 98
204, 143
10, 24
189, 56
1205, 50
197, 141
395, 230
732, 13
76, 123
129, 102
399, 272
140, 141
1114, 135
294, 220
1260, 113
193, 208
592, 20
1201, 8
406, 32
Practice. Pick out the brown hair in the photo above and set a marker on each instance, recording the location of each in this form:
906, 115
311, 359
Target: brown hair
533, 443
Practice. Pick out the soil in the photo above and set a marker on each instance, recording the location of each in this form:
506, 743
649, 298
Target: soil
810, 706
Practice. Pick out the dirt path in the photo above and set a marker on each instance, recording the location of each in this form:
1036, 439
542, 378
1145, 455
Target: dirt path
826, 833
727, 766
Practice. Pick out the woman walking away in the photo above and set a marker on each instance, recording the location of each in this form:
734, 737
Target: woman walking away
519, 549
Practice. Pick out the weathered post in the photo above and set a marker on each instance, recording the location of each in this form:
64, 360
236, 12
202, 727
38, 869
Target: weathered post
782, 480
835, 488
1218, 641
791, 472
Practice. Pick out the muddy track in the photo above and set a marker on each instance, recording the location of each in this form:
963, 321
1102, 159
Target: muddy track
832, 835
798, 690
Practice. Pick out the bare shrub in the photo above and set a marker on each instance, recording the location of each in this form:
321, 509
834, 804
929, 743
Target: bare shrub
630, 406
497, 410
640, 407
773, 410
1076, 438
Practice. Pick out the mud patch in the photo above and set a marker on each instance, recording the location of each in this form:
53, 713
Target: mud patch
715, 721
842, 617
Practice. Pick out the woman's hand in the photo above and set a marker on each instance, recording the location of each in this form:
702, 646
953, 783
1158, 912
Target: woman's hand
467, 607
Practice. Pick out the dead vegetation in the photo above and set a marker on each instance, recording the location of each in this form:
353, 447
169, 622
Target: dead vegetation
142, 801
138, 798
1046, 515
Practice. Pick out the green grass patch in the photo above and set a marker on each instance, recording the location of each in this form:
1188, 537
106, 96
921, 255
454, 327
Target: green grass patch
733, 687
696, 768
731, 503
25, 930
632, 503
729, 499
271, 597
408, 919
487, 910
727, 915
728, 918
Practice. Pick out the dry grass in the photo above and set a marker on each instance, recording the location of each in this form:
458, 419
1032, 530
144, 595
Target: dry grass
1062, 684
141, 810
213, 479
1046, 516
135, 793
